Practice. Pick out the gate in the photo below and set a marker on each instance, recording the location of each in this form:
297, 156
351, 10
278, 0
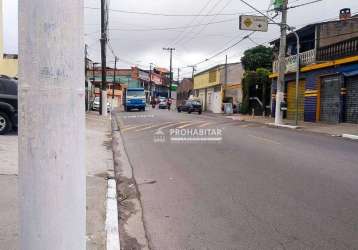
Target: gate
330, 99
291, 100
351, 107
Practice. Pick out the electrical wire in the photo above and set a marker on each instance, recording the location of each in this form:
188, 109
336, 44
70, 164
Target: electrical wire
169, 15
175, 28
205, 26
201, 22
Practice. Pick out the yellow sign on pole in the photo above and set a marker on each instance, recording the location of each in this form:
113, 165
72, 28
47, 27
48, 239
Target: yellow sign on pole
254, 23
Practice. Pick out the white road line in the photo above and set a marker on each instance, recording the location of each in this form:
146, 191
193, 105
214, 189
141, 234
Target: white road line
152, 126
265, 139
205, 124
171, 125
134, 127
188, 125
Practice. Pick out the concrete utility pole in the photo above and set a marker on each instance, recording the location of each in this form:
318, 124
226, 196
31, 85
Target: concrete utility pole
52, 174
193, 72
225, 69
150, 80
86, 77
282, 66
104, 22
297, 74
171, 70
114, 79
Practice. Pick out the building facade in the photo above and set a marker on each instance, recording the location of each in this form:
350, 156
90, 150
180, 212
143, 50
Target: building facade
221, 83
328, 84
184, 90
8, 63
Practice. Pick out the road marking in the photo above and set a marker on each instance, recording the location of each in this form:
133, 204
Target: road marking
171, 125
205, 124
265, 139
137, 116
189, 124
152, 126
134, 127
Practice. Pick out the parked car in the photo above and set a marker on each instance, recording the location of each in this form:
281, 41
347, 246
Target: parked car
190, 106
163, 103
8, 104
95, 104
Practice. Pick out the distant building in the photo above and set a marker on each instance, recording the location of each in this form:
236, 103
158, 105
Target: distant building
8, 63
218, 84
328, 86
184, 90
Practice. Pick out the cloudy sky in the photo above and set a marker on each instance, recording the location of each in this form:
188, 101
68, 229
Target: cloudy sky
139, 39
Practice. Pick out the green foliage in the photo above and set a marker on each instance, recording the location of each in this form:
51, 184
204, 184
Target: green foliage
257, 57
259, 77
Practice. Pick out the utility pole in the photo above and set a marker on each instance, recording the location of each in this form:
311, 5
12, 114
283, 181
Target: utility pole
86, 76
52, 173
225, 69
282, 66
171, 70
114, 79
193, 72
150, 81
178, 74
104, 22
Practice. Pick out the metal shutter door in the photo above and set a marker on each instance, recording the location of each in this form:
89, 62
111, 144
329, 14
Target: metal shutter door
351, 111
330, 99
291, 100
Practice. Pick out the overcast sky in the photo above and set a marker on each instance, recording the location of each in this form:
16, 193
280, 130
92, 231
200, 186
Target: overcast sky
135, 42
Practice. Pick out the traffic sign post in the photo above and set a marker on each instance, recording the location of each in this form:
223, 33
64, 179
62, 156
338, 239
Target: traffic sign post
254, 23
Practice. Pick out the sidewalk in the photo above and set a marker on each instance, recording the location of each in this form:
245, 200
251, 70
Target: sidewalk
316, 127
99, 164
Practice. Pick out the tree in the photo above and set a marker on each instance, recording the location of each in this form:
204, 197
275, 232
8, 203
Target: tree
257, 57
255, 84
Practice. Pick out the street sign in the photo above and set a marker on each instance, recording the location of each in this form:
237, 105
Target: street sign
254, 23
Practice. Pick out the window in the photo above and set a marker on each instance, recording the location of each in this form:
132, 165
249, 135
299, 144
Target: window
212, 76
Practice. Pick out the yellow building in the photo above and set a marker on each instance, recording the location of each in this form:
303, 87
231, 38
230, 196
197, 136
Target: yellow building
208, 88
8, 63
218, 84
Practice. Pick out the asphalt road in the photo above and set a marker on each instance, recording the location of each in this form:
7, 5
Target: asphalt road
258, 188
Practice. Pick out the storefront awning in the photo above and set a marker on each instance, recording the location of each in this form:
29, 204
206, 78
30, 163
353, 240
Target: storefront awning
350, 73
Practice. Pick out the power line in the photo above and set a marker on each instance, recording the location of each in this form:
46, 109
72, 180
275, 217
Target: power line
226, 49
204, 27
191, 22
201, 22
304, 4
175, 28
170, 15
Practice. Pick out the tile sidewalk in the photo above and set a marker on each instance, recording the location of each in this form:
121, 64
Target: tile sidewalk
99, 164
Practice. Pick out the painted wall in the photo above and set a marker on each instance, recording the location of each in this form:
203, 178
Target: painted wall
207, 79
8, 67
312, 88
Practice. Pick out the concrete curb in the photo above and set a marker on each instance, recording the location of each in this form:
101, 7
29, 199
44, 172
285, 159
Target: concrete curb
112, 217
282, 126
133, 229
350, 136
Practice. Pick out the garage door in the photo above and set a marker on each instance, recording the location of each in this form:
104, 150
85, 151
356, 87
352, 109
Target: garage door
330, 99
291, 100
351, 110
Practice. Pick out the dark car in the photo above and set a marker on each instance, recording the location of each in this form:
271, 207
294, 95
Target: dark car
8, 104
190, 106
